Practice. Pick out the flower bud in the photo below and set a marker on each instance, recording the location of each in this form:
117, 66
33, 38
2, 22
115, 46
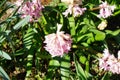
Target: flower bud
102, 25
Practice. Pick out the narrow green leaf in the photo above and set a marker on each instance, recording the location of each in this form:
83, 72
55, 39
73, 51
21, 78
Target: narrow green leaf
22, 23
113, 33
29, 64
106, 76
3, 74
87, 66
72, 25
90, 38
28, 37
5, 55
2, 38
116, 13
80, 37
3, 2
80, 72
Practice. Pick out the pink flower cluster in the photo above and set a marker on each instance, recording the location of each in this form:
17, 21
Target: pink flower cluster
59, 43
105, 10
109, 62
75, 10
31, 8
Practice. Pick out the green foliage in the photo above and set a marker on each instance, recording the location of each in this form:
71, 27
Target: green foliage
106, 77
22, 52
65, 68
82, 75
3, 74
5, 55
22, 23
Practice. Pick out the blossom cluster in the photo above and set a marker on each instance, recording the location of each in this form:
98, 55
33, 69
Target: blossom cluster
75, 10
32, 9
105, 10
109, 62
59, 43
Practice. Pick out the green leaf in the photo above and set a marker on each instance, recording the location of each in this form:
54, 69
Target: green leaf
22, 23
80, 37
65, 67
28, 37
90, 38
3, 74
5, 55
87, 66
54, 63
99, 35
3, 2
106, 76
80, 72
72, 25
29, 64
84, 29
113, 33
89, 22
116, 13
19, 52
38, 77
82, 59
88, 75
2, 38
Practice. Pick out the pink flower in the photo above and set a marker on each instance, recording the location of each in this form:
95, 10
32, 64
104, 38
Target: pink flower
78, 11
68, 11
106, 54
75, 10
59, 43
31, 8
103, 61
105, 10
103, 65
109, 62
